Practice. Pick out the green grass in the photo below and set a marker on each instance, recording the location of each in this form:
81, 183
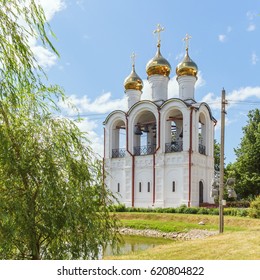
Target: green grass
163, 226
243, 245
183, 222
240, 240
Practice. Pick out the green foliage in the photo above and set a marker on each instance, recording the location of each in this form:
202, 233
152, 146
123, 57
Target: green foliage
254, 210
216, 155
238, 210
53, 204
246, 169
239, 204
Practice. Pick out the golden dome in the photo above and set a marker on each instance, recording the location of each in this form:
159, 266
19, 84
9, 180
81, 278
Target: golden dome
133, 81
158, 65
187, 67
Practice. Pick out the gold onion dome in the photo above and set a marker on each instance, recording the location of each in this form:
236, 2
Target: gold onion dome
158, 65
133, 81
187, 67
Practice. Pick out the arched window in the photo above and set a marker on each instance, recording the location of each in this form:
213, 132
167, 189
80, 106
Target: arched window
145, 132
118, 139
200, 192
202, 134
174, 132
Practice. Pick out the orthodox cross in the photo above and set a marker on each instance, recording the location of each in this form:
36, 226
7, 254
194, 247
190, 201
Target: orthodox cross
158, 30
133, 57
186, 39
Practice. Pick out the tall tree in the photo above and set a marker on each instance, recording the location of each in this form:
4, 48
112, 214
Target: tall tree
53, 204
246, 169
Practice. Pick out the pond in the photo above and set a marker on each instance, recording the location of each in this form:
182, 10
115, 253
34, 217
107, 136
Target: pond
132, 243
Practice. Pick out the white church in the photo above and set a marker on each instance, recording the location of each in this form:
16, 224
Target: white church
160, 152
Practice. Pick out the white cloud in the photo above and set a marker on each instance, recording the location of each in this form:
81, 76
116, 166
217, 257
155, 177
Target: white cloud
81, 4
254, 58
244, 93
233, 98
173, 88
222, 38
251, 15
251, 27
200, 82
212, 100
147, 91
44, 57
229, 29
51, 7
101, 105
89, 126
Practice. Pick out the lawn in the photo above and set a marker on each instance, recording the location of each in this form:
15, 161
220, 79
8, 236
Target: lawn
240, 240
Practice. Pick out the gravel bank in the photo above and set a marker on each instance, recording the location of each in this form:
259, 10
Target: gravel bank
190, 235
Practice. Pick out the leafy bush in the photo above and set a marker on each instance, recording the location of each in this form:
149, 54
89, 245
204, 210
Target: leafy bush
254, 210
213, 211
204, 211
191, 210
239, 204
183, 209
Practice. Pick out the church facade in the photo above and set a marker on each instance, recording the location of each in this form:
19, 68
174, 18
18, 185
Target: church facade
160, 152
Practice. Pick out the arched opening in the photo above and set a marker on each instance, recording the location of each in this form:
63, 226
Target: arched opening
174, 132
118, 139
202, 134
145, 134
200, 192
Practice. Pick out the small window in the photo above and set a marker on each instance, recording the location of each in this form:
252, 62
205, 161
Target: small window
118, 187
148, 187
140, 187
173, 186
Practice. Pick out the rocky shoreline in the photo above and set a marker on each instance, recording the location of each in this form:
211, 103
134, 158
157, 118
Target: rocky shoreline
190, 235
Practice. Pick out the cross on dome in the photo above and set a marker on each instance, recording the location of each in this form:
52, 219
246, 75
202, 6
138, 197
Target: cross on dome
186, 39
133, 57
158, 30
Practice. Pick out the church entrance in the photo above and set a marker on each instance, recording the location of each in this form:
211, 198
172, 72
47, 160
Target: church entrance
200, 192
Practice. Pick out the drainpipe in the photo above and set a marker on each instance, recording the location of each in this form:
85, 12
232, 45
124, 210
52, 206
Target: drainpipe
158, 147
133, 164
190, 152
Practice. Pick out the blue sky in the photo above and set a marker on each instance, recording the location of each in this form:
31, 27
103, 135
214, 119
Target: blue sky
95, 39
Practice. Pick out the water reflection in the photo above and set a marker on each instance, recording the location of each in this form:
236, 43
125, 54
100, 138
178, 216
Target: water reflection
133, 244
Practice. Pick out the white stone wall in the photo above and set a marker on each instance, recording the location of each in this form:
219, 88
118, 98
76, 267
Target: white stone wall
165, 168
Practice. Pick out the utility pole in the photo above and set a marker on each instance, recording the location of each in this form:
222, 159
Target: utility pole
221, 179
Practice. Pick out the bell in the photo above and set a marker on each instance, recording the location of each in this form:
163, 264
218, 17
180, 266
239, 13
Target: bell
154, 128
138, 130
146, 129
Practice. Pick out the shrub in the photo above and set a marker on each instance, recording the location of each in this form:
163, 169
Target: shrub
213, 211
238, 204
191, 210
203, 211
254, 210
181, 209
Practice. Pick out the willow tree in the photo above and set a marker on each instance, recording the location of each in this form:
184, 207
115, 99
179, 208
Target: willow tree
53, 204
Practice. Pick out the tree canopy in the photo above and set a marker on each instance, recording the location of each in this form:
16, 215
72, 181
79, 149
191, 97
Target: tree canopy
246, 169
53, 203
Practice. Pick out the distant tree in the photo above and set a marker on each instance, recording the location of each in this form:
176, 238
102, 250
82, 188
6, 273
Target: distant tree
216, 155
53, 204
246, 169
